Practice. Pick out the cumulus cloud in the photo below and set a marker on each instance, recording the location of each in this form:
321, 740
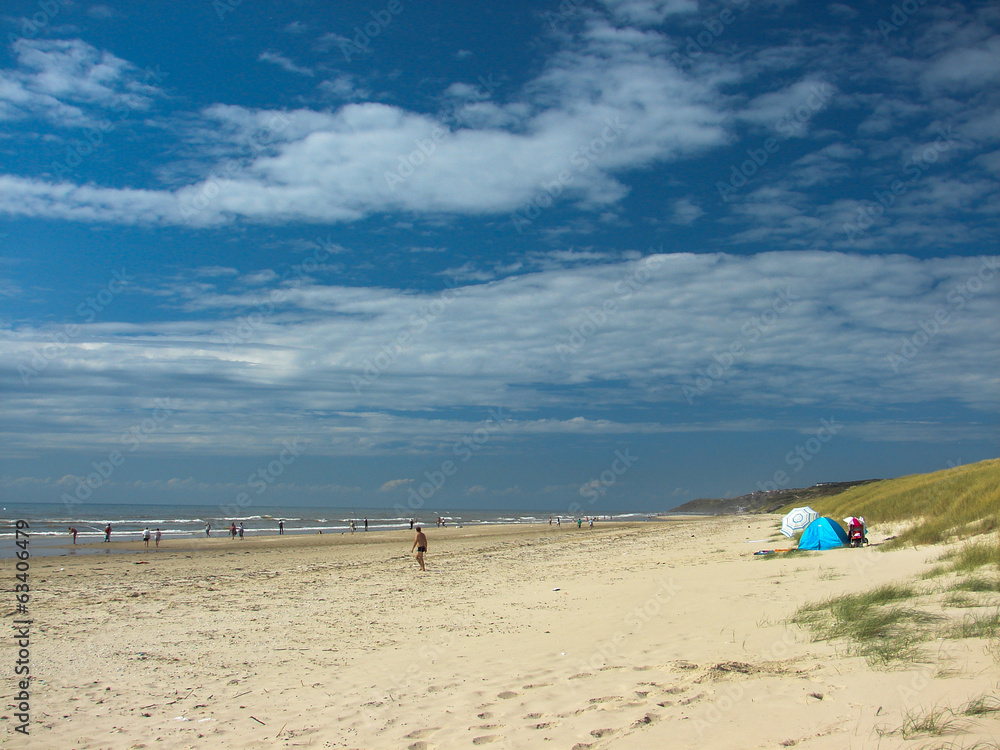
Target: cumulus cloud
71, 83
609, 101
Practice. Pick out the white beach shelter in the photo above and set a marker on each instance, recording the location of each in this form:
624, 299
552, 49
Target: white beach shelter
797, 519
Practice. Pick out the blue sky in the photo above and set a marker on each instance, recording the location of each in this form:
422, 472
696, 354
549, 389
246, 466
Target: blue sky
583, 256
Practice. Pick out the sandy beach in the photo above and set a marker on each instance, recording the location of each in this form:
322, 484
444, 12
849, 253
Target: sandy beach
659, 634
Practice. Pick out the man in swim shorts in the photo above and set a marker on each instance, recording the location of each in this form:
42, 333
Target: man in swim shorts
420, 545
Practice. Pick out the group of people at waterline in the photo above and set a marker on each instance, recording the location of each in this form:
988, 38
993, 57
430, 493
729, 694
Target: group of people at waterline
418, 549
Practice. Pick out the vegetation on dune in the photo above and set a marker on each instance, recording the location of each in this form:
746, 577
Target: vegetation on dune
938, 507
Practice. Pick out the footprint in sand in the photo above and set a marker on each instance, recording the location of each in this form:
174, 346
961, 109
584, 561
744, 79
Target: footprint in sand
486, 739
532, 716
507, 694
418, 745
484, 715
416, 734
535, 685
606, 699
601, 732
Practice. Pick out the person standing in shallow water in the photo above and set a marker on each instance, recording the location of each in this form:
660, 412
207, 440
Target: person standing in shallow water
420, 545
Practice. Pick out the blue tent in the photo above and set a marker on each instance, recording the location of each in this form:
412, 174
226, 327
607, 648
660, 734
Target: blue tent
823, 533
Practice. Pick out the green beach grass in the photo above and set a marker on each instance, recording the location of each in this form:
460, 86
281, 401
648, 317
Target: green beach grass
943, 506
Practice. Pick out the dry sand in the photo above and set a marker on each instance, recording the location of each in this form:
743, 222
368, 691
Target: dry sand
654, 635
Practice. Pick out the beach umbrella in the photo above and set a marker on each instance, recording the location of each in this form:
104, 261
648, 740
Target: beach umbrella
797, 519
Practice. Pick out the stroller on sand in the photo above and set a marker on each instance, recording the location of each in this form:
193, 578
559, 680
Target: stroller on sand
857, 532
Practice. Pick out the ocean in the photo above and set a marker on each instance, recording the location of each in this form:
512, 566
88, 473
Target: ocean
49, 523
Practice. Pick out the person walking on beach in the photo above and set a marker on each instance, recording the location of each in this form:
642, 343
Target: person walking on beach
420, 545
281, 528
232, 529
241, 531
412, 521
74, 532
352, 525
366, 524
107, 533
145, 537
208, 529
158, 535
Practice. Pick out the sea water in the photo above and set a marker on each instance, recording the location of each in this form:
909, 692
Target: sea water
49, 523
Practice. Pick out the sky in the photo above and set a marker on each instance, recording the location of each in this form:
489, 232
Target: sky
586, 256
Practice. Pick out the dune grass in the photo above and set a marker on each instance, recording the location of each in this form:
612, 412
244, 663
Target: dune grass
977, 584
937, 721
968, 559
873, 622
945, 505
982, 706
977, 625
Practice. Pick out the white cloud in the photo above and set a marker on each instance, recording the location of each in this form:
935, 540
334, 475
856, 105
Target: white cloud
965, 69
649, 12
62, 81
684, 211
283, 62
788, 112
385, 368
395, 484
608, 102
